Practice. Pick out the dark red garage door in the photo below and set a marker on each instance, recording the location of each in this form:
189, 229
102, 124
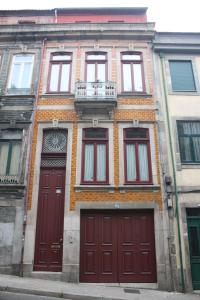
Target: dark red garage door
117, 246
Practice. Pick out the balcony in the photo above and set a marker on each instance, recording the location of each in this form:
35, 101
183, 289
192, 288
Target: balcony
95, 97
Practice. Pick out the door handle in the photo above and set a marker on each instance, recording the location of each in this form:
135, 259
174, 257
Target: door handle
61, 240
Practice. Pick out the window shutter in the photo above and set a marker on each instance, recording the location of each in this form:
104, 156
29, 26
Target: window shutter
182, 76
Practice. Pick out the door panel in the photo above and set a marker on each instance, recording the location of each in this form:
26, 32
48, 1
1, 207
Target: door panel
49, 231
194, 243
122, 244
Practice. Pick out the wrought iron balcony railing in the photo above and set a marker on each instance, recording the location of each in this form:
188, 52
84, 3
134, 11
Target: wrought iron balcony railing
95, 91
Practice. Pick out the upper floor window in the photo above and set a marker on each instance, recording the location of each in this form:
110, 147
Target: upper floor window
96, 66
21, 72
95, 156
137, 156
60, 72
182, 77
189, 141
132, 72
10, 150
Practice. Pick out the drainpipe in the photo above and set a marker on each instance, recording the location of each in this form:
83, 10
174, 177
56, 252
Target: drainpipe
30, 157
174, 172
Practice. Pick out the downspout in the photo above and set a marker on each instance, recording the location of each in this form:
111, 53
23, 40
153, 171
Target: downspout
30, 157
174, 172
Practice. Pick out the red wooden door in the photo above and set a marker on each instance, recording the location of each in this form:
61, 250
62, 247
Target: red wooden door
50, 217
117, 246
136, 247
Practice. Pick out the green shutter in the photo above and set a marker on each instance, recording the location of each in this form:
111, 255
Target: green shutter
182, 77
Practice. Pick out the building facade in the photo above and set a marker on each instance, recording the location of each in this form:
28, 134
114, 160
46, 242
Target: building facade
19, 66
94, 207
177, 72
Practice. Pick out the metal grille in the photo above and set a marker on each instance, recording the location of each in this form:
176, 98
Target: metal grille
8, 179
55, 141
53, 162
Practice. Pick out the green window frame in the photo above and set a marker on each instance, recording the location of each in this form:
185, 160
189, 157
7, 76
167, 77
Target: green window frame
189, 141
10, 152
182, 76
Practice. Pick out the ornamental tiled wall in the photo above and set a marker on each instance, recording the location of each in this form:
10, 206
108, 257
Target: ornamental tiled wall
141, 108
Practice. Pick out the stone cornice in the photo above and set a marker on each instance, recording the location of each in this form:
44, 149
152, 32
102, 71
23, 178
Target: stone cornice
54, 31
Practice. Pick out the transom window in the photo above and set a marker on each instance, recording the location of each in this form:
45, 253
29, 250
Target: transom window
95, 156
96, 66
189, 141
137, 156
182, 77
10, 151
60, 72
132, 72
21, 72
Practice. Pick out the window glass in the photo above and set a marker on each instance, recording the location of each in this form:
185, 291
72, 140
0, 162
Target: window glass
194, 240
89, 163
96, 56
131, 57
101, 72
95, 149
189, 141
21, 73
132, 74
127, 77
90, 72
60, 72
64, 83
101, 162
131, 162
4, 148
10, 151
137, 77
54, 78
14, 161
143, 162
61, 57
137, 156
182, 77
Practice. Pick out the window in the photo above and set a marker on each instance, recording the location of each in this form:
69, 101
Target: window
137, 156
182, 77
189, 141
132, 72
96, 65
95, 156
60, 72
10, 149
21, 72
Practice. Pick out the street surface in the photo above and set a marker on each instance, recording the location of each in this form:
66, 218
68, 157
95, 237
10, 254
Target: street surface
14, 296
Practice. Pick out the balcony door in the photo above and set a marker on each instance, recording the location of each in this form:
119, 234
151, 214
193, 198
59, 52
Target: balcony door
96, 73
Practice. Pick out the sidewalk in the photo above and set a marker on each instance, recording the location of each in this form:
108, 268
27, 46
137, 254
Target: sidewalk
84, 291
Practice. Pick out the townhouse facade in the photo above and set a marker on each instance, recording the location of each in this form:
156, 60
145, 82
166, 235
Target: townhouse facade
92, 179
177, 69
19, 67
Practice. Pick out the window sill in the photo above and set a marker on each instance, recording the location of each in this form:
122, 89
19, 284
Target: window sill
48, 94
139, 187
134, 94
101, 188
184, 93
190, 166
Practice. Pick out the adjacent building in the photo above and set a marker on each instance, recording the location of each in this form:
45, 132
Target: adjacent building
177, 69
19, 68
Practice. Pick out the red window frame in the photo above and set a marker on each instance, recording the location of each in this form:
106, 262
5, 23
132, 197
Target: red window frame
96, 62
137, 141
132, 62
95, 142
60, 63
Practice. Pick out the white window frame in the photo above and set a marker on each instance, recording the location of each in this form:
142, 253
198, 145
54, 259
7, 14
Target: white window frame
21, 69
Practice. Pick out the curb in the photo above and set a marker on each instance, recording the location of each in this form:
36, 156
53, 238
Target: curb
54, 294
